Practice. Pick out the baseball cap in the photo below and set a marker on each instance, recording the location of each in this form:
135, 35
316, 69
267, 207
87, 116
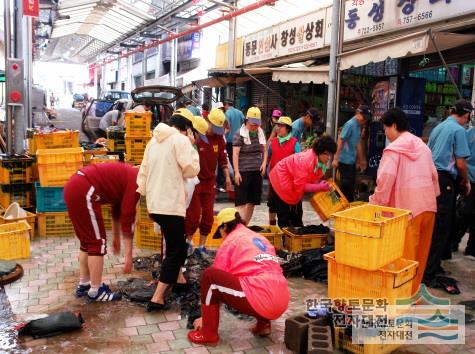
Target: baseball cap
253, 115
217, 118
364, 110
224, 216
276, 113
313, 113
185, 113
463, 106
285, 120
201, 126
218, 105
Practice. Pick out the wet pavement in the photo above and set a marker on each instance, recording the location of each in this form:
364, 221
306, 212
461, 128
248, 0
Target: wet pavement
51, 275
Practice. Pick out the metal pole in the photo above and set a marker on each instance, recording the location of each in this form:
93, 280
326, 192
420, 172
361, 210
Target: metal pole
19, 114
29, 72
8, 53
174, 63
231, 42
334, 76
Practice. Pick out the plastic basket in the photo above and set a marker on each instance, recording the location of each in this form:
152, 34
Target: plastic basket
55, 224
104, 159
15, 240
20, 193
89, 154
146, 237
369, 236
391, 282
15, 169
327, 203
357, 203
30, 218
142, 212
49, 199
115, 134
59, 156
107, 216
298, 243
52, 140
116, 145
57, 174
210, 242
138, 123
343, 342
274, 236
135, 148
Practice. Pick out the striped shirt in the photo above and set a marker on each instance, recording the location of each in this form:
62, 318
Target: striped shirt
250, 156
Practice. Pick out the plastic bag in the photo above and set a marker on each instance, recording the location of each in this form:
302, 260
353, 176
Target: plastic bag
190, 184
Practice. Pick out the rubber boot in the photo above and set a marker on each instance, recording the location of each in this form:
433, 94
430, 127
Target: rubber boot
262, 328
208, 334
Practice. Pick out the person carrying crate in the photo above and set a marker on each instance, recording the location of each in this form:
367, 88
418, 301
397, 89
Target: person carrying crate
246, 275
84, 193
297, 174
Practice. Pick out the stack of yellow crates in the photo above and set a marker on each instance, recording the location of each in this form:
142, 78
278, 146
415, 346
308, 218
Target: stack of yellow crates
367, 263
16, 180
145, 233
55, 167
137, 135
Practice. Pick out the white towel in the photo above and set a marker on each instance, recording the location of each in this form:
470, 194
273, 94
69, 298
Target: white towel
244, 132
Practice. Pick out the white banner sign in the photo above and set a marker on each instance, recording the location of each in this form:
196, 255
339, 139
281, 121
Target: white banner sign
261, 45
364, 18
302, 34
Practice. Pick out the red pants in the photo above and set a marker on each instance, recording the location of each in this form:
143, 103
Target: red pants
84, 207
201, 205
218, 286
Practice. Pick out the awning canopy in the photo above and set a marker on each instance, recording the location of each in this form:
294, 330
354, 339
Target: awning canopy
304, 74
411, 45
243, 71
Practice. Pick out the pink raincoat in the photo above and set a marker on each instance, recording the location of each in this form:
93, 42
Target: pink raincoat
251, 257
291, 175
407, 178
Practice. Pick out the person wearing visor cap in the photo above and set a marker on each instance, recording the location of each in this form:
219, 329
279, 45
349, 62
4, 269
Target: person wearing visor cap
450, 149
246, 275
349, 151
306, 121
250, 161
276, 114
212, 151
280, 147
185, 113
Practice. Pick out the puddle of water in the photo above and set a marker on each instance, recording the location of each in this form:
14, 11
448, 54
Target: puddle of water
8, 336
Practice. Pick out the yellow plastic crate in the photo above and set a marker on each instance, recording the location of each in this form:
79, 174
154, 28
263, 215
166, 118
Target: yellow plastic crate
60, 156
20, 193
327, 203
274, 236
138, 124
343, 342
15, 169
298, 243
30, 218
103, 159
357, 203
116, 145
370, 236
210, 242
57, 174
89, 154
142, 212
391, 282
56, 140
145, 236
55, 224
135, 148
15, 240
107, 216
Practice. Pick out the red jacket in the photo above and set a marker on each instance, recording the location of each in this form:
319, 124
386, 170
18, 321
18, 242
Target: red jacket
210, 155
116, 184
281, 151
251, 257
290, 176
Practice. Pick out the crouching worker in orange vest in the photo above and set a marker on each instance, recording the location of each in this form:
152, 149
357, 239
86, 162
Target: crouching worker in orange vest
84, 194
246, 275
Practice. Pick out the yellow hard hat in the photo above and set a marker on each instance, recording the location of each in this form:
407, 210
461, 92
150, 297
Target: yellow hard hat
185, 113
226, 215
254, 115
200, 125
285, 120
217, 118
